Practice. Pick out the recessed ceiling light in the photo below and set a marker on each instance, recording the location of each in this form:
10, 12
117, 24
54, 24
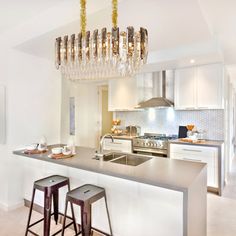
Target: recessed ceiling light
192, 61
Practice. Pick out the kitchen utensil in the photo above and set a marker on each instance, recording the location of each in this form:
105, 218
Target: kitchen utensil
59, 156
57, 150
35, 151
33, 146
133, 130
190, 127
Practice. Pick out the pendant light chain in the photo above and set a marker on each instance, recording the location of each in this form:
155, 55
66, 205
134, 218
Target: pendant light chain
101, 54
114, 13
83, 17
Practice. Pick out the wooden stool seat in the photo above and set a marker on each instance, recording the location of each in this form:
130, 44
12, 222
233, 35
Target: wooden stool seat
50, 186
85, 196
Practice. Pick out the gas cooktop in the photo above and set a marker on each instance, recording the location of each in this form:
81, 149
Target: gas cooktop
157, 136
152, 143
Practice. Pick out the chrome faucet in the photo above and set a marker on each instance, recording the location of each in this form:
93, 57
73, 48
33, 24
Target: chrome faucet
102, 141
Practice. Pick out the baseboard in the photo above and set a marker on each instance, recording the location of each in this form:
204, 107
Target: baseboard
213, 190
36, 207
12, 207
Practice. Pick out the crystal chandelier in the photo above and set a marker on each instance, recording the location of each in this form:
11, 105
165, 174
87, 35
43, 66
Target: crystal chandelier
101, 55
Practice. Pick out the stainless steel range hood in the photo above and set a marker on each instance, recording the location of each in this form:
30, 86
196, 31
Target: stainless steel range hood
159, 96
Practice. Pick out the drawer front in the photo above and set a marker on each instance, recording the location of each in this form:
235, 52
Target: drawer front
207, 155
120, 145
193, 149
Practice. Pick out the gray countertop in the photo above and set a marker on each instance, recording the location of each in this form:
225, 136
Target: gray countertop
162, 172
209, 143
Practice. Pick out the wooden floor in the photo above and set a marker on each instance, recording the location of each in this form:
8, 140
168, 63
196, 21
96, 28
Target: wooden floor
221, 215
13, 223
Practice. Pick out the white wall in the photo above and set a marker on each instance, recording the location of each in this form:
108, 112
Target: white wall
33, 89
86, 113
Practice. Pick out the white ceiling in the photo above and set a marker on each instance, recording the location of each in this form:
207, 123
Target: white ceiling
221, 19
170, 25
14, 11
173, 25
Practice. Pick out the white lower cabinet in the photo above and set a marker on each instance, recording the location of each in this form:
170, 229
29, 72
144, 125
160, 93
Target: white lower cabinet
196, 153
120, 145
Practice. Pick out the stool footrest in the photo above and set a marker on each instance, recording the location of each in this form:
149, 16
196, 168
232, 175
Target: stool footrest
100, 231
80, 232
33, 232
38, 221
97, 230
59, 231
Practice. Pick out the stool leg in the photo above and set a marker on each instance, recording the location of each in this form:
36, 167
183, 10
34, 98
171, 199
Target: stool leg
55, 205
108, 215
86, 220
64, 219
72, 212
30, 212
47, 213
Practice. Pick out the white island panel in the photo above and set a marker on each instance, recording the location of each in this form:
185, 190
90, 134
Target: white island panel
135, 208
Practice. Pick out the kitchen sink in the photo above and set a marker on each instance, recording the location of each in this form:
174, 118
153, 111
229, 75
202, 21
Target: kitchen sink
108, 157
124, 158
131, 160
112, 156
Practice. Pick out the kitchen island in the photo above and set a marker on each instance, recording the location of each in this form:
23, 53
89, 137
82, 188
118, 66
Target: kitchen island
158, 197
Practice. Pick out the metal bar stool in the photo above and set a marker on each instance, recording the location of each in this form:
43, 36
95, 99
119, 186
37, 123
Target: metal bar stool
50, 186
84, 196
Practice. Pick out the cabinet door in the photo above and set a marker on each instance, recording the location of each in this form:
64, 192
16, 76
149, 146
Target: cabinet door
210, 86
122, 94
185, 89
195, 153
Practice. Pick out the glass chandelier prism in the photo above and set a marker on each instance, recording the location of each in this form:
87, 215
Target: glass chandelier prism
101, 55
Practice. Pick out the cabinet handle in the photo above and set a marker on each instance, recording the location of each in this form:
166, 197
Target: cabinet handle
190, 108
191, 150
189, 159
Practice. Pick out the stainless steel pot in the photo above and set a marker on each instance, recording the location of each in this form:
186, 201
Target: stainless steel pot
133, 130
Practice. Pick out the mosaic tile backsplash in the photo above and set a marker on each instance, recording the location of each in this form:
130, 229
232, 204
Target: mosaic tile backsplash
168, 120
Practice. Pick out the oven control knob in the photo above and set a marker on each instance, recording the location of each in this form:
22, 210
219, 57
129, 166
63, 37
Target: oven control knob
158, 144
148, 144
151, 144
155, 144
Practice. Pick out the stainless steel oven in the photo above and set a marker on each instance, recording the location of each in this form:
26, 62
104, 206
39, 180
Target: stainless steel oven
152, 144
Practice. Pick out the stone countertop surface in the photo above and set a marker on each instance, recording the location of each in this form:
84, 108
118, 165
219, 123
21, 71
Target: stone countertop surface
162, 172
209, 143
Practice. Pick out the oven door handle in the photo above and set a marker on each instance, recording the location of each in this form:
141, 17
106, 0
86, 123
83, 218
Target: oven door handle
147, 150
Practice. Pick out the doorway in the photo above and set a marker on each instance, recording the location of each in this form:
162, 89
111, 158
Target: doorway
105, 115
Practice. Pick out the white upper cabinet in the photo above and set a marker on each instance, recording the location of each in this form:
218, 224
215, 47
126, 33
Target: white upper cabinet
210, 86
185, 84
122, 94
144, 83
199, 87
